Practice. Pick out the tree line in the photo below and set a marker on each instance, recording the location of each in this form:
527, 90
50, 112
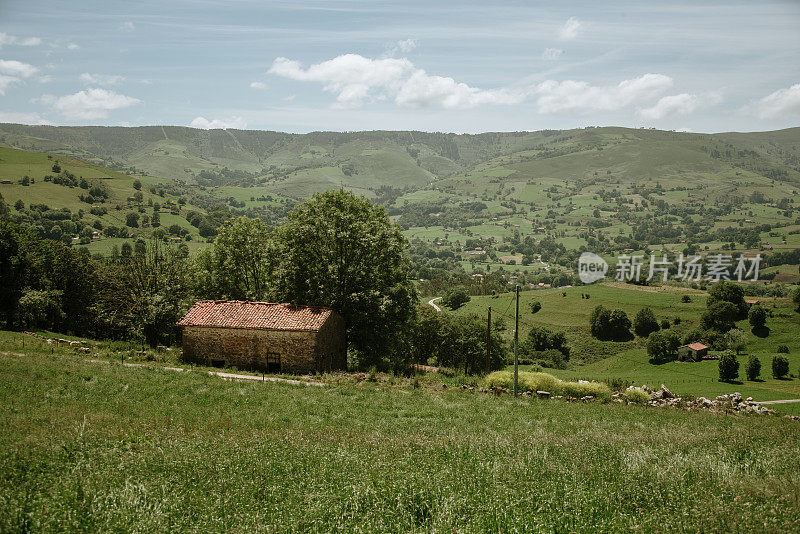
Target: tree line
335, 250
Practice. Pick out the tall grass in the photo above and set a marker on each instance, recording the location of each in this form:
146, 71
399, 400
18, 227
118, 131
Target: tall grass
89, 447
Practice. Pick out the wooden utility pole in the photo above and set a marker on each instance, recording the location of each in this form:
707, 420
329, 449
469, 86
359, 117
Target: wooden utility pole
516, 340
488, 337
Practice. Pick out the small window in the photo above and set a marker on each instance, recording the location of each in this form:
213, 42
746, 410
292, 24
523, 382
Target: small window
273, 362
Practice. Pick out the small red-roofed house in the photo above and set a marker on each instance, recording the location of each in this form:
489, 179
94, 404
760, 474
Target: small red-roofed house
264, 336
692, 352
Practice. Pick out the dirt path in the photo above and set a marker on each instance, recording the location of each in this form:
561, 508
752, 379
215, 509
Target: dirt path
226, 376
435, 307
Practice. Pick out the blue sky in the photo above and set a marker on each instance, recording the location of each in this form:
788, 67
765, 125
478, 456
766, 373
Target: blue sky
436, 66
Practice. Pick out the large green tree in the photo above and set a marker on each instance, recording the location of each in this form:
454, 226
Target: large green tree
241, 262
728, 292
662, 346
720, 316
158, 286
341, 251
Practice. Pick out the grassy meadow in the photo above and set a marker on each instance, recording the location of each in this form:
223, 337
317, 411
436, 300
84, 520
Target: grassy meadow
103, 447
601, 360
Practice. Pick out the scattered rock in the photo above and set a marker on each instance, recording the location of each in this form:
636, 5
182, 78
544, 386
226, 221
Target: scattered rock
543, 394
729, 403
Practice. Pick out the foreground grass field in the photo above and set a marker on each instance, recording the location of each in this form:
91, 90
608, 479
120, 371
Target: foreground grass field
90, 446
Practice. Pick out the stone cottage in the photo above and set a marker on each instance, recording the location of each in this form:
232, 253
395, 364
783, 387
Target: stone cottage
263, 336
693, 352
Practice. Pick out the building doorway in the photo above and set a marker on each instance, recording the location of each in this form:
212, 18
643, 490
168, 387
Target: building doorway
273, 362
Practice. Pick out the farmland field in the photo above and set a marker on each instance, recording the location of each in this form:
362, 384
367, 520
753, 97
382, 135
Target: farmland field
599, 360
101, 447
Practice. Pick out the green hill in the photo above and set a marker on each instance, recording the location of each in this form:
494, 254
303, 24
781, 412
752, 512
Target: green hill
633, 188
60, 196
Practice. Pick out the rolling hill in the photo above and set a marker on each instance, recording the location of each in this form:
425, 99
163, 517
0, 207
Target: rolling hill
650, 187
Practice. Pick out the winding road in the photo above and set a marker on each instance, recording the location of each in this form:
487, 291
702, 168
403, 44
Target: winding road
435, 307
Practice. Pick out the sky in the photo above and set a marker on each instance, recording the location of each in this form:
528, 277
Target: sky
464, 67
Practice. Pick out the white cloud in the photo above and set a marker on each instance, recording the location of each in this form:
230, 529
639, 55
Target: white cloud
47, 78
570, 28
237, 123
577, 96
22, 118
682, 104
101, 79
73, 46
407, 45
781, 102
6, 39
551, 54
258, 85
356, 79
6, 82
12, 72
404, 46
12, 67
422, 90
128, 26
89, 104
353, 77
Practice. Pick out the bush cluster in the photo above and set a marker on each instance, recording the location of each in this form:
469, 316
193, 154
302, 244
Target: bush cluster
546, 382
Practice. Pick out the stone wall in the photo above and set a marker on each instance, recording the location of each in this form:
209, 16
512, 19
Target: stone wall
249, 349
244, 348
331, 347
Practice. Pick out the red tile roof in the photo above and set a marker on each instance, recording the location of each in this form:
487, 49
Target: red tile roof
695, 346
260, 315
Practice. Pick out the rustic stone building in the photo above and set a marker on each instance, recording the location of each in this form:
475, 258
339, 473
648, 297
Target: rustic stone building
693, 352
263, 336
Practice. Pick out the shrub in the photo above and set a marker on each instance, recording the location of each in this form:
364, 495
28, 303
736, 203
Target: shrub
662, 346
541, 339
636, 395
664, 324
539, 382
757, 317
753, 368
546, 382
535, 306
780, 366
720, 316
608, 325
676, 321
526, 381
694, 335
455, 298
644, 323
783, 349
686, 298
728, 367
736, 340
598, 390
